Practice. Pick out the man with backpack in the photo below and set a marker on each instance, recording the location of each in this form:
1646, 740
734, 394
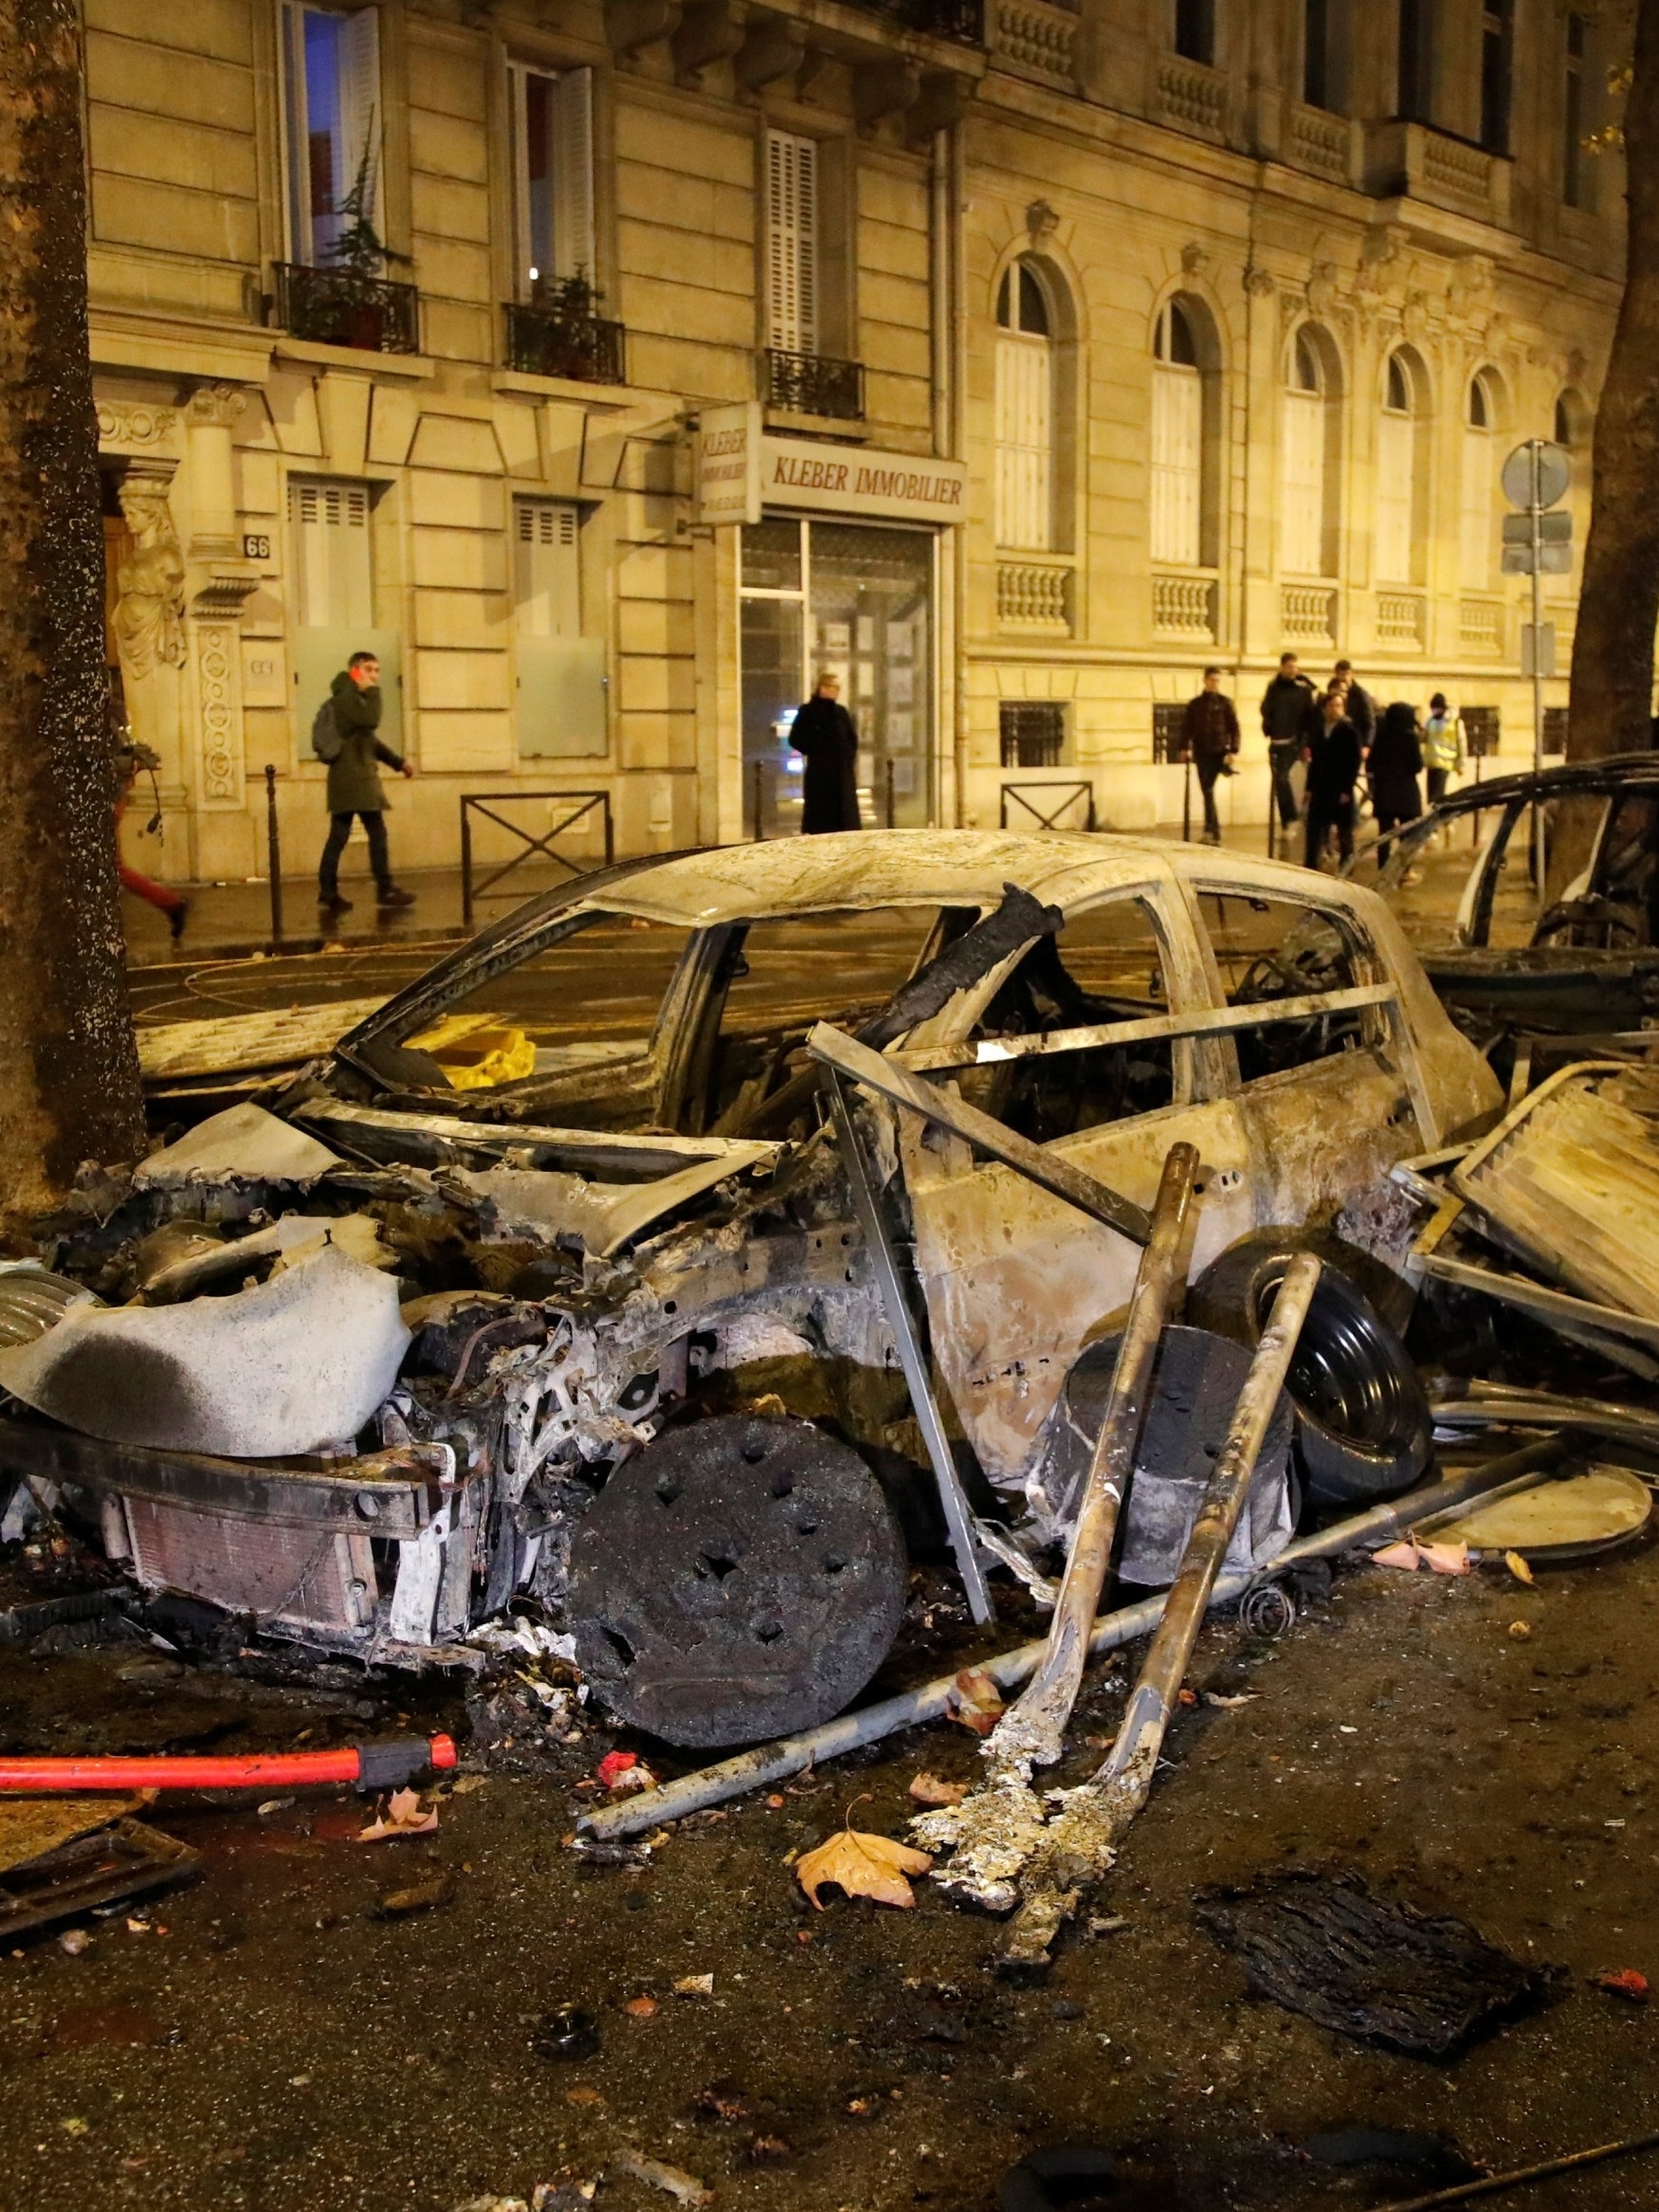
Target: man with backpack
344, 735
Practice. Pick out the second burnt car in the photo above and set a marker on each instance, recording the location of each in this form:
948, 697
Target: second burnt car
592, 1150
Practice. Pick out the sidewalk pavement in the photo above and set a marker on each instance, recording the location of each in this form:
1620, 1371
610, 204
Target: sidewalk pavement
232, 920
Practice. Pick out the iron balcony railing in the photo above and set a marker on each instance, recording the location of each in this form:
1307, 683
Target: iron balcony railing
551, 342
813, 384
337, 307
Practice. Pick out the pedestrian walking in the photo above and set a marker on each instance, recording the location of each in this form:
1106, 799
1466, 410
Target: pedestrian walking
1397, 761
346, 735
1361, 708
1333, 770
132, 756
1442, 746
1209, 740
1285, 705
826, 737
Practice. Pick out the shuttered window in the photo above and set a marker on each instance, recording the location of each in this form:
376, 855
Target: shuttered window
333, 576
1303, 486
553, 161
1478, 475
546, 573
1397, 479
1178, 445
791, 242
332, 81
1025, 415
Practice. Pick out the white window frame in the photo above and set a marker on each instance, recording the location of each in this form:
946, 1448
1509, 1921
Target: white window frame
571, 167
1177, 453
365, 120
1395, 501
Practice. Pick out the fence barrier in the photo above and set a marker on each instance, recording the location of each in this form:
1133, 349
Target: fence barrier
581, 806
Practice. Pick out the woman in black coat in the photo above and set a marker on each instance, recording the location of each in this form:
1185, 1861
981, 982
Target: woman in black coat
1396, 761
826, 735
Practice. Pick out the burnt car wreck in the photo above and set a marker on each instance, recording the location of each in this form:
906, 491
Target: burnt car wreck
590, 1270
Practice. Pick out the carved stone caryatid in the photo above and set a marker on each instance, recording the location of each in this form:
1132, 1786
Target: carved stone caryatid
149, 616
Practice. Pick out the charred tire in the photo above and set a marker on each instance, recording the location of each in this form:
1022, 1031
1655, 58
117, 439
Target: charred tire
740, 1577
1362, 1425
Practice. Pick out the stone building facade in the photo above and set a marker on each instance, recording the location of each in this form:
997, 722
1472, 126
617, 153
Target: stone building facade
1011, 362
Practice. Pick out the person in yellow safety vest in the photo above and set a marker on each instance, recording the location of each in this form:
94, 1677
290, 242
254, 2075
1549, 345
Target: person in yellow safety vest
1442, 746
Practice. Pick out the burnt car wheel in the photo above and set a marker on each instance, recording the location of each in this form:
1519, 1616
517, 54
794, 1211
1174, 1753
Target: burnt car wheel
739, 1578
1362, 1426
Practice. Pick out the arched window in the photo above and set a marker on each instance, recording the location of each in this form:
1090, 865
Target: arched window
1479, 475
1025, 412
1177, 441
1397, 535
1308, 542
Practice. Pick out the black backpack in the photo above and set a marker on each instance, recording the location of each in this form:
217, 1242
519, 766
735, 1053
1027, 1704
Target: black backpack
327, 738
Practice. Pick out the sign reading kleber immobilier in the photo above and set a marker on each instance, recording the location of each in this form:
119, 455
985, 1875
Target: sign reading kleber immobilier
740, 470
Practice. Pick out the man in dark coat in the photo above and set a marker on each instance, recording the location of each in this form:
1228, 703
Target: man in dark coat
1284, 705
1397, 761
1333, 770
1209, 740
1361, 707
827, 736
354, 784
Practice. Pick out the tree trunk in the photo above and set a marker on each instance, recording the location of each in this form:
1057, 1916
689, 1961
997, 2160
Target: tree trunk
1612, 698
69, 1065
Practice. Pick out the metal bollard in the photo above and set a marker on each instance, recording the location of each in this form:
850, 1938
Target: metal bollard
274, 857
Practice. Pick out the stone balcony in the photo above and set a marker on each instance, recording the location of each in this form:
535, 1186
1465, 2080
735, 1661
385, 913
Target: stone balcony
1412, 161
1192, 95
1033, 39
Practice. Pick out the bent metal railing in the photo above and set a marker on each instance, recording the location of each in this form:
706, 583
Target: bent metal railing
580, 807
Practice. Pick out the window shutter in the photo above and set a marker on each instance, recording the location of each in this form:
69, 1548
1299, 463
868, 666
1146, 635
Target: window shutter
332, 574
1177, 465
546, 574
1475, 536
573, 173
791, 242
1304, 505
1395, 486
1025, 503
360, 106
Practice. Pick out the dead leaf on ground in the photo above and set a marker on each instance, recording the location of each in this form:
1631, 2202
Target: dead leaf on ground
583, 2096
864, 1866
932, 1789
1517, 1567
404, 1815
694, 1986
641, 2007
975, 1701
1231, 1703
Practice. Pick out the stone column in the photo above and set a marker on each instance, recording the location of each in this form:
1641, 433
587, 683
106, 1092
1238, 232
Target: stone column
210, 414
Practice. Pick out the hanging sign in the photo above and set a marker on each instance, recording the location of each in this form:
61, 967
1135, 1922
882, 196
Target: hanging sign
728, 463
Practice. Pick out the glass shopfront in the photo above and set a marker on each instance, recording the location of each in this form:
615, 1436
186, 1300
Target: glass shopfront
854, 598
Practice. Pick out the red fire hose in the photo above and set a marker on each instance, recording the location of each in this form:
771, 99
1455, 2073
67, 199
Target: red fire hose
378, 1766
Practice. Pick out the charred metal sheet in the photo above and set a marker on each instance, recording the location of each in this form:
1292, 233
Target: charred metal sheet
442, 1140
292, 1364
311, 1583
237, 1042
240, 1143
384, 1493
738, 1578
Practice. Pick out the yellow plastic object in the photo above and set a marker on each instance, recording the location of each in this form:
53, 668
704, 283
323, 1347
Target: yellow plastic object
476, 1051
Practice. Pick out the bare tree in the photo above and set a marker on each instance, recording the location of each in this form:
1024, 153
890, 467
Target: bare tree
68, 1067
1612, 696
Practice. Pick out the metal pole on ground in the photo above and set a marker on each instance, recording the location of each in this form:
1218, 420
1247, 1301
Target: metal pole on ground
465, 865
1186, 799
759, 785
274, 856
1535, 456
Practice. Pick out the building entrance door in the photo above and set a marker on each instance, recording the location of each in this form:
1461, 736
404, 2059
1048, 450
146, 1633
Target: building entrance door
856, 600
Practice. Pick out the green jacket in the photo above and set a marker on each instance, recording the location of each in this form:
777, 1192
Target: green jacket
353, 779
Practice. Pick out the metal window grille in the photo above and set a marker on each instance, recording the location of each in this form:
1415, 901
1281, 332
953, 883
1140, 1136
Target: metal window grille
1034, 733
1167, 717
1479, 731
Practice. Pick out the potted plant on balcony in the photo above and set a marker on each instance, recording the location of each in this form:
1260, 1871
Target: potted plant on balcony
359, 306
567, 335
